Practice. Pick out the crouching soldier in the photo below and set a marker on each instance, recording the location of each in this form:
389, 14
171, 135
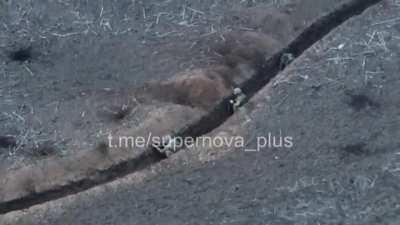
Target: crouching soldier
238, 100
285, 60
168, 145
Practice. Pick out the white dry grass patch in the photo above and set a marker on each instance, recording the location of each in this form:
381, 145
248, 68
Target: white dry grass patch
299, 184
393, 165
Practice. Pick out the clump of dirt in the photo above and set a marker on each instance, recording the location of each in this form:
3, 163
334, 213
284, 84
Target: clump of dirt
244, 53
197, 88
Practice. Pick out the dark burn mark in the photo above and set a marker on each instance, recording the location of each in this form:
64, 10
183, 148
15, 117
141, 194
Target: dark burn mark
357, 149
7, 141
360, 102
21, 55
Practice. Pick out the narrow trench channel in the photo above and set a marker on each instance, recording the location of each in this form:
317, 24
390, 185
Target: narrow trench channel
213, 119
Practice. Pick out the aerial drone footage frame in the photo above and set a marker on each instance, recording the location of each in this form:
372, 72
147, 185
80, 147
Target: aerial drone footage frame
266, 112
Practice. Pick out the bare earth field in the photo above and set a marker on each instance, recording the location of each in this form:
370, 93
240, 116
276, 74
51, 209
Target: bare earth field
71, 70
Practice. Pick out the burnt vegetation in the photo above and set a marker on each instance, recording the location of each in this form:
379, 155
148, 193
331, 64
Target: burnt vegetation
361, 102
21, 55
7, 141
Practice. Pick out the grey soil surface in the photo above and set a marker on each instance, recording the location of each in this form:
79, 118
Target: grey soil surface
340, 104
64, 63
67, 67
